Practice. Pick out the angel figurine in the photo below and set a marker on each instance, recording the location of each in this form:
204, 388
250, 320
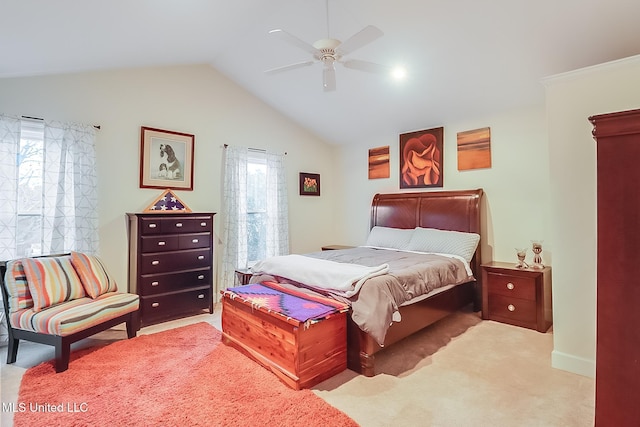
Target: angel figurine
537, 250
522, 254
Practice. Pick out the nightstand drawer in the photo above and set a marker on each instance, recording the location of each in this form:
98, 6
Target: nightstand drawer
512, 286
502, 308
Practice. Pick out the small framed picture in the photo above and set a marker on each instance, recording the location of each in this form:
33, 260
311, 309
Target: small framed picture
166, 159
309, 184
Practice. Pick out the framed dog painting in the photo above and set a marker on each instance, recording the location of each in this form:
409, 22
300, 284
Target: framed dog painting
166, 159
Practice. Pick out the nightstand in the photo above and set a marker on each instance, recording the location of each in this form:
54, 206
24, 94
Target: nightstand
243, 275
517, 296
336, 247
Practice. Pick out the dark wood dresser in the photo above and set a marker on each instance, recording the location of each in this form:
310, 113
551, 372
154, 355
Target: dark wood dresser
517, 296
618, 291
171, 264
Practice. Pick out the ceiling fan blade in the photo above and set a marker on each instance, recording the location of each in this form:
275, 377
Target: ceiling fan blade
289, 67
291, 39
369, 67
361, 38
329, 78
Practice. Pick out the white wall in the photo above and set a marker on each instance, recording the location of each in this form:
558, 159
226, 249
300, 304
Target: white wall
192, 99
571, 99
516, 201
539, 186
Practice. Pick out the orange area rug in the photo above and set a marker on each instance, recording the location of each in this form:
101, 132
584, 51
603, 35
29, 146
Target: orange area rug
180, 377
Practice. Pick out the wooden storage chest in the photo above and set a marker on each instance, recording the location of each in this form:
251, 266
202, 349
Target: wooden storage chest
301, 354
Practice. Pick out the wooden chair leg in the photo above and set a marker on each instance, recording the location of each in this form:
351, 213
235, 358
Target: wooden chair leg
63, 352
132, 327
12, 350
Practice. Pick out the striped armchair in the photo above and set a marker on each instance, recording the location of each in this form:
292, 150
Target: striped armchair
58, 300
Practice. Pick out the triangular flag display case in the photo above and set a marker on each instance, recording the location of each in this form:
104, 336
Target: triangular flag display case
168, 202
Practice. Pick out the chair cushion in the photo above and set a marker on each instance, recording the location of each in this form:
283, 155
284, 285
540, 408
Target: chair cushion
51, 281
73, 316
15, 281
93, 274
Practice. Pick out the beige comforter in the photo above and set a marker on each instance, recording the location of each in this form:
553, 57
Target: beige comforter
410, 275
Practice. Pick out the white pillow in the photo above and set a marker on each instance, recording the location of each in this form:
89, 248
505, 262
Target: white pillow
387, 237
445, 242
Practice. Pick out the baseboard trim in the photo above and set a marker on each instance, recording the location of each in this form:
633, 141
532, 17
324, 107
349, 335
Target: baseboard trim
574, 364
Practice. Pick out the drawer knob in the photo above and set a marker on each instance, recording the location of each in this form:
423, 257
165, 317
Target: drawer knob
201, 296
155, 305
200, 256
511, 307
155, 283
510, 285
178, 224
194, 241
162, 243
200, 277
153, 225
203, 224
155, 262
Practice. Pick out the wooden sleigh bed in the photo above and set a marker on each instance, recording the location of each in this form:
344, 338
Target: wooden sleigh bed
445, 210
457, 211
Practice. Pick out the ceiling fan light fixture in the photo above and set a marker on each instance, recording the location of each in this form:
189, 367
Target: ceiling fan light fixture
329, 51
399, 73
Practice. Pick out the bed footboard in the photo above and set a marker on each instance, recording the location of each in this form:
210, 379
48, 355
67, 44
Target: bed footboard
362, 348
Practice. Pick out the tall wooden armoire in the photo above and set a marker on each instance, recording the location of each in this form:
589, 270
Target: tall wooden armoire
617, 138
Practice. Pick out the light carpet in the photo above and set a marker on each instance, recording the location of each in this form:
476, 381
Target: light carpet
183, 376
466, 372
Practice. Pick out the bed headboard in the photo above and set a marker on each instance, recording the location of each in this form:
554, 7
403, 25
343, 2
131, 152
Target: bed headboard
457, 210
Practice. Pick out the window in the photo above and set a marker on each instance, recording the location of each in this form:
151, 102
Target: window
30, 163
256, 207
49, 187
255, 219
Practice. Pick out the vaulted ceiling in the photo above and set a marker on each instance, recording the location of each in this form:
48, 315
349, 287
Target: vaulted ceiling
465, 58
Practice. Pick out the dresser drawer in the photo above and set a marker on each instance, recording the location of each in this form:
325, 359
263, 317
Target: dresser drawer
162, 262
502, 308
150, 226
173, 242
195, 240
159, 307
151, 284
512, 286
174, 224
185, 225
159, 243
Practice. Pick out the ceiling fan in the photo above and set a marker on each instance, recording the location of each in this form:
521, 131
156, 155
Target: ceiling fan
330, 51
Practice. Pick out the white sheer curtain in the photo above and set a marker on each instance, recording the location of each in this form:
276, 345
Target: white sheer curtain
277, 206
70, 212
234, 213
234, 210
9, 144
69, 188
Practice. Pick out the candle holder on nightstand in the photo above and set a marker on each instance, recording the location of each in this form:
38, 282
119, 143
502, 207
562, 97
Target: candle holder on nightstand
521, 254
